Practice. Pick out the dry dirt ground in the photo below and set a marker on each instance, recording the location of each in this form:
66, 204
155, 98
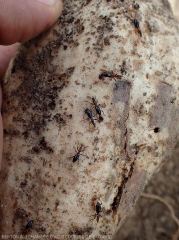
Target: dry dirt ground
151, 219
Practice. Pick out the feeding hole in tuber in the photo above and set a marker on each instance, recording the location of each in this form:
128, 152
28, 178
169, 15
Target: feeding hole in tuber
156, 130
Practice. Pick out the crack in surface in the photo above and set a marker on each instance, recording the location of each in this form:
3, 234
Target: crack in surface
122, 95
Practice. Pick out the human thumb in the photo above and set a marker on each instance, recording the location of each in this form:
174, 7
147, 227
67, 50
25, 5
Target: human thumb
21, 20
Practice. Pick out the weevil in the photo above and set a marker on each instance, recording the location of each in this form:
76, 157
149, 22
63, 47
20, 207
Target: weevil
29, 224
137, 26
136, 6
97, 108
78, 153
109, 74
90, 116
98, 211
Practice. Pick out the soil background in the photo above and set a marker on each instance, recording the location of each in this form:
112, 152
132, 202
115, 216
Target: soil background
150, 219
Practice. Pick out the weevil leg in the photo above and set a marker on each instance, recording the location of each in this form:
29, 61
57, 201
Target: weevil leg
84, 148
94, 216
103, 112
84, 119
75, 149
88, 102
84, 155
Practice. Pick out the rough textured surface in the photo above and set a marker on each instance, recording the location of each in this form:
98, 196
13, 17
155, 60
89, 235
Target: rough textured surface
45, 93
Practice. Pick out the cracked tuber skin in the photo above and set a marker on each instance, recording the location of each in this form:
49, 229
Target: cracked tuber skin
49, 84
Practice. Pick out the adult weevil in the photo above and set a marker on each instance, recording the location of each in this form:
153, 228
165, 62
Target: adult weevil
97, 108
137, 26
98, 211
78, 152
29, 224
136, 6
90, 116
109, 74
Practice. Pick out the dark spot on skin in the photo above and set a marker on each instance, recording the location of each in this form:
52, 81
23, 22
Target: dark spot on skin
11, 132
20, 213
56, 205
81, 231
77, 21
23, 184
123, 68
13, 70
86, 2
25, 134
48, 210
70, 71
52, 105
156, 130
106, 41
64, 191
60, 120
70, 19
96, 140
43, 145
36, 149
80, 28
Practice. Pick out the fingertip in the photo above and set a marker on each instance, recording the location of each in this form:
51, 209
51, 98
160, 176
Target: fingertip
22, 20
6, 53
1, 132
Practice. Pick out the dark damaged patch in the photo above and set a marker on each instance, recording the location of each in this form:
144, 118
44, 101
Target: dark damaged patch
163, 110
70, 71
44, 146
124, 67
117, 199
60, 120
104, 29
38, 92
86, 2
106, 41
121, 94
26, 159
81, 231
20, 213
11, 132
